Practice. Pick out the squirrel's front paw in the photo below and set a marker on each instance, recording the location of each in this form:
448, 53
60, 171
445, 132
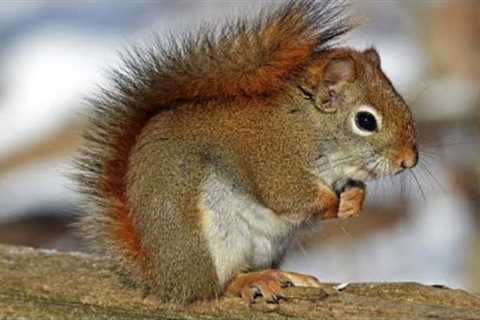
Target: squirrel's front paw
267, 284
352, 196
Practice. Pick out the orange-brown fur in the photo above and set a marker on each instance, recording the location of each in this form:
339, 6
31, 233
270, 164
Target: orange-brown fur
238, 103
291, 28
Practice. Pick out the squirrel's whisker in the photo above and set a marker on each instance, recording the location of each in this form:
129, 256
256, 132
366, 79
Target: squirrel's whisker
429, 173
414, 176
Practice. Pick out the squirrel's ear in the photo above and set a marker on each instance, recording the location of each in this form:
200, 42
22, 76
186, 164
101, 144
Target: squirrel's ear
372, 56
335, 73
339, 69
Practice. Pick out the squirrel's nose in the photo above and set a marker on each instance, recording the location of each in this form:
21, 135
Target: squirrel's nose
409, 158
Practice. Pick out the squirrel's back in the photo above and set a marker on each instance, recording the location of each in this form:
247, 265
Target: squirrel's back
248, 57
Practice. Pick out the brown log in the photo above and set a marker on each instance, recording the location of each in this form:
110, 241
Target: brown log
40, 284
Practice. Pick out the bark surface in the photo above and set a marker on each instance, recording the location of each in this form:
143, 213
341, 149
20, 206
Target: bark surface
40, 284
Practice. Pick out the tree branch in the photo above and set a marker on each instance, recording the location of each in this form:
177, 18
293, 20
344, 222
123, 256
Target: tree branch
37, 284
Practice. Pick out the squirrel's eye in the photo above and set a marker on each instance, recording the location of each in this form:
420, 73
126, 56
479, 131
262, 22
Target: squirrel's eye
366, 121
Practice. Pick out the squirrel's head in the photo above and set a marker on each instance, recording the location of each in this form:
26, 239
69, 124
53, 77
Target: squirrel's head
363, 122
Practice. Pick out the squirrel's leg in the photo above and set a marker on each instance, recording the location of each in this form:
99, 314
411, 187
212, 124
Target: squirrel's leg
179, 268
267, 284
165, 202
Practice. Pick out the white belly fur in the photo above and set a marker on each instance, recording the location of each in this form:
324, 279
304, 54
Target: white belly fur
242, 234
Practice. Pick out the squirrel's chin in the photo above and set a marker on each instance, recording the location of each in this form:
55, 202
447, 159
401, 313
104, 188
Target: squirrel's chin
362, 175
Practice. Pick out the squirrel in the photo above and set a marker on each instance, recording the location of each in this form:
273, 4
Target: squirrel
208, 153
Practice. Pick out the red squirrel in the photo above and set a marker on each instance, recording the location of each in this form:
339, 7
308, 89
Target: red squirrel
207, 154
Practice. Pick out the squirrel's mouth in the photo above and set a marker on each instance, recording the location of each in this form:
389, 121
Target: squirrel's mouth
372, 170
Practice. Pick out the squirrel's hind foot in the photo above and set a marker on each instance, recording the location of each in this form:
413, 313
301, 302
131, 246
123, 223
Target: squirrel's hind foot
267, 285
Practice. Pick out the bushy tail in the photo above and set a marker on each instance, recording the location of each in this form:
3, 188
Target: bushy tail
247, 57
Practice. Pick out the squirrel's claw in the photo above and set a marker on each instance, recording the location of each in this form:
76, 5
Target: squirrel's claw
344, 185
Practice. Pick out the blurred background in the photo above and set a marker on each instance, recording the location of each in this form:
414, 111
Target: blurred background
416, 227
